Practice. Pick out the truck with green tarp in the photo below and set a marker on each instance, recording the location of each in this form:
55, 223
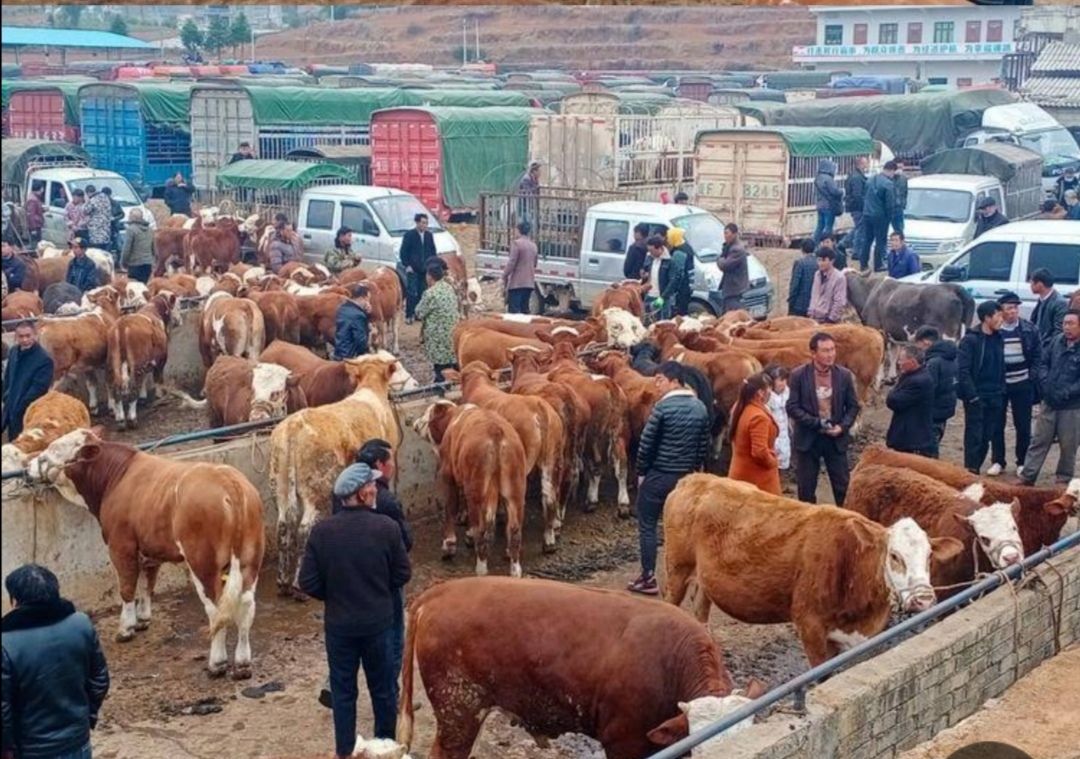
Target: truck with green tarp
267, 186
762, 178
43, 109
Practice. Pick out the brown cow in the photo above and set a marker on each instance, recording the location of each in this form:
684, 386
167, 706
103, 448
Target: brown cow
212, 248
230, 326
886, 494
625, 295
641, 391
79, 345
281, 315
182, 285
21, 304
1043, 511
480, 454
46, 419
318, 318
765, 559
788, 324
156, 510
324, 381
467, 288
577, 666
48, 271
138, 350
514, 324
385, 296
536, 423
169, 247
476, 344
238, 390
230, 283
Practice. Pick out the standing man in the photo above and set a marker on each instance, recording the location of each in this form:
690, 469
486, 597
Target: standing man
28, 377
75, 213
981, 384
680, 281
634, 266
828, 199
116, 216
417, 248
138, 256
681, 198
178, 195
243, 153
284, 245
941, 365
438, 310
854, 193
879, 207
352, 330
902, 261
989, 216
828, 242
911, 429
733, 265
35, 212
659, 262
81, 271
802, 280
529, 193
823, 407
1022, 350
1059, 414
1068, 181
14, 267
54, 673
519, 277
900, 185
98, 217
353, 562
828, 293
674, 443
1050, 311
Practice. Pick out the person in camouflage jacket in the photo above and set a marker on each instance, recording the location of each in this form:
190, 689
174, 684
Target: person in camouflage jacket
438, 310
341, 256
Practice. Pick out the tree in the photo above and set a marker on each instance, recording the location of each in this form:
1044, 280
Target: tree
118, 26
190, 37
217, 35
239, 32
291, 16
69, 16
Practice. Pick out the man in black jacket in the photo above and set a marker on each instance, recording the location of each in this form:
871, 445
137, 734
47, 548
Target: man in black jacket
353, 562
879, 207
28, 377
854, 192
802, 280
980, 384
1022, 347
734, 265
989, 216
941, 365
1059, 414
54, 673
912, 403
417, 248
823, 407
634, 264
1050, 311
674, 443
351, 330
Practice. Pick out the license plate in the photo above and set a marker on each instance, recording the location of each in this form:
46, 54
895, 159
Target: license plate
758, 312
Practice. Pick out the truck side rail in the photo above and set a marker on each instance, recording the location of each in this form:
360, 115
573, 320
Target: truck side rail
556, 216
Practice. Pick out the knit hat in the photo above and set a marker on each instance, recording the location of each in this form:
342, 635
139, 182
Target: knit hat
354, 477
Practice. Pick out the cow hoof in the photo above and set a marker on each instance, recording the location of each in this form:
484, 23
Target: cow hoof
142, 624
125, 635
469, 542
623, 512
299, 595
241, 672
591, 507
217, 670
550, 548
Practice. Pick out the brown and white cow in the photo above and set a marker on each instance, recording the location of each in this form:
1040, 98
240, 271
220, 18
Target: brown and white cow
309, 448
765, 559
470, 297
182, 285
155, 510
619, 328
169, 247
238, 390
577, 666
641, 391
886, 495
138, 350
281, 315
480, 345
230, 326
324, 381
213, 247
46, 419
21, 304
386, 298
481, 455
624, 295
79, 345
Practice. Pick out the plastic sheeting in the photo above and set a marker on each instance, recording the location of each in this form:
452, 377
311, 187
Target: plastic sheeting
992, 159
19, 154
811, 142
165, 103
278, 175
314, 105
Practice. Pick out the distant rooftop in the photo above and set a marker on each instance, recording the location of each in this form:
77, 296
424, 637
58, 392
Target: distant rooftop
43, 36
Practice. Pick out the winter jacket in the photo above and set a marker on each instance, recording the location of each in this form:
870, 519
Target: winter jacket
15, 271
99, 219
676, 437
827, 195
802, 285
351, 331
828, 297
438, 309
903, 262
942, 368
986, 223
178, 198
753, 458
1063, 185
280, 251
35, 214
28, 377
981, 366
338, 260
415, 251
880, 200
673, 279
353, 562
54, 680
900, 186
520, 269
1031, 349
802, 407
636, 257
1074, 213
734, 263
1059, 374
82, 273
386, 503
912, 403
854, 191
840, 253
1047, 316
138, 245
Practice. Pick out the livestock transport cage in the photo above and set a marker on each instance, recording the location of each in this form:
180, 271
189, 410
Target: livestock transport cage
762, 178
641, 148
354, 158
448, 156
23, 156
137, 129
1018, 169
266, 187
43, 109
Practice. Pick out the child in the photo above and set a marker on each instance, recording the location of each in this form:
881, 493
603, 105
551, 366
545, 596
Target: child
778, 399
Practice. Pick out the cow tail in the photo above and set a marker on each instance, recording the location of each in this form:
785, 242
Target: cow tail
405, 700
969, 308
186, 400
228, 603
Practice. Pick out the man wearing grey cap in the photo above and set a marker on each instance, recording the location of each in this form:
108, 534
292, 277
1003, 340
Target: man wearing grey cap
989, 216
354, 561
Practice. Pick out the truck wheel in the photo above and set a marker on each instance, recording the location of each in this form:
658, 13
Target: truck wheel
701, 308
536, 303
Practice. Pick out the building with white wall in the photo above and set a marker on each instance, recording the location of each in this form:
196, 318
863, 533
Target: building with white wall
947, 44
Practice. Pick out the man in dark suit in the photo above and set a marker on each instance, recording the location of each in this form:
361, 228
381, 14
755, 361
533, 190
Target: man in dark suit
824, 408
417, 248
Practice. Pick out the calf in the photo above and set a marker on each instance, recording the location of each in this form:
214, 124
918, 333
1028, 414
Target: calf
624, 295
212, 248
511, 324
318, 318
479, 345
887, 495
182, 285
480, 454
21, 304
281, 315
765, 559
576, 667
323, 381
79, 345
230, 326
619, 328
169, 247
238, 390
49, 417
385, 296
138, 350
46, 271
641, 391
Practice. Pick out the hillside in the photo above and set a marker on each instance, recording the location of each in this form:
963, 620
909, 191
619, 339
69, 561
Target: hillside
556, 36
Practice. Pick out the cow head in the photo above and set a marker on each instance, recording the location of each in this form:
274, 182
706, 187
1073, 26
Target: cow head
401, 379
699, 713
576, 336
50, 465
623, 328
171, 305
136, 294
608, 362
373, 373
994, 527
907, 561
12, 458
474, 297
435, 420
270, 386
527, 358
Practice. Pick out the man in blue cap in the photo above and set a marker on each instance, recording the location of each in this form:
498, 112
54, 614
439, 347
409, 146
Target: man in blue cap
354, 561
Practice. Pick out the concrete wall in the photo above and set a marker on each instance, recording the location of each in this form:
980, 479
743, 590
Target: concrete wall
909, 693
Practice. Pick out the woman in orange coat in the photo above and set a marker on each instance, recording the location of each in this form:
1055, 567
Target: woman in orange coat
753, 437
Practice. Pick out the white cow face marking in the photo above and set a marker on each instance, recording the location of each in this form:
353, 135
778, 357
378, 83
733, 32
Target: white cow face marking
907, 565
13, 458
995, 529
268, 391
401, 379
136, 294
204, 284
623, 328
59, 454
702, 712
691, 325
473, 293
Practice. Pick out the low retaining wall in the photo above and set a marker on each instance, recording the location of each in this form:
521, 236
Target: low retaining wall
906, 695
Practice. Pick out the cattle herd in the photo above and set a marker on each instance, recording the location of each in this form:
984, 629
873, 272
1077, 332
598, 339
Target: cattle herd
564, 401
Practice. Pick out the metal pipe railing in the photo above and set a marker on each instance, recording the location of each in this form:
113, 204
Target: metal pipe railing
849, 657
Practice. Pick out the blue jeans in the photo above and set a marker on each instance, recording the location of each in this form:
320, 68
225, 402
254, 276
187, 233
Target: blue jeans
345, 654
825, 222
654, 490
79, 753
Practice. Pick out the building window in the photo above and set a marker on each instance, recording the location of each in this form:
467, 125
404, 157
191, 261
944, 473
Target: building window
859, 34
943, 31
938, 80
914, 33
993, 31
834, 34
973, 31
963, 81
887, 34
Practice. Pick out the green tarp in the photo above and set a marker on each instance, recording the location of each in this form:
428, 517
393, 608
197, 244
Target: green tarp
472, 98
314, 105
797, 80
813, 142
992, 159
19, 154
167, 103
263, 174
909, 124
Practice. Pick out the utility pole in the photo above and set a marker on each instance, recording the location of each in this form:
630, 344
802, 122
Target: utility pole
478, 40
464, 42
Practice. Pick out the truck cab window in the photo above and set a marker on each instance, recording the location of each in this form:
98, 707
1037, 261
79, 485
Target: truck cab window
1062, 259
610, 236
58, 197
359, 219
320, 214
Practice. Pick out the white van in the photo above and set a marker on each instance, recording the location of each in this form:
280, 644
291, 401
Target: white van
1003, 259
378, 216
942, 211
59, 185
